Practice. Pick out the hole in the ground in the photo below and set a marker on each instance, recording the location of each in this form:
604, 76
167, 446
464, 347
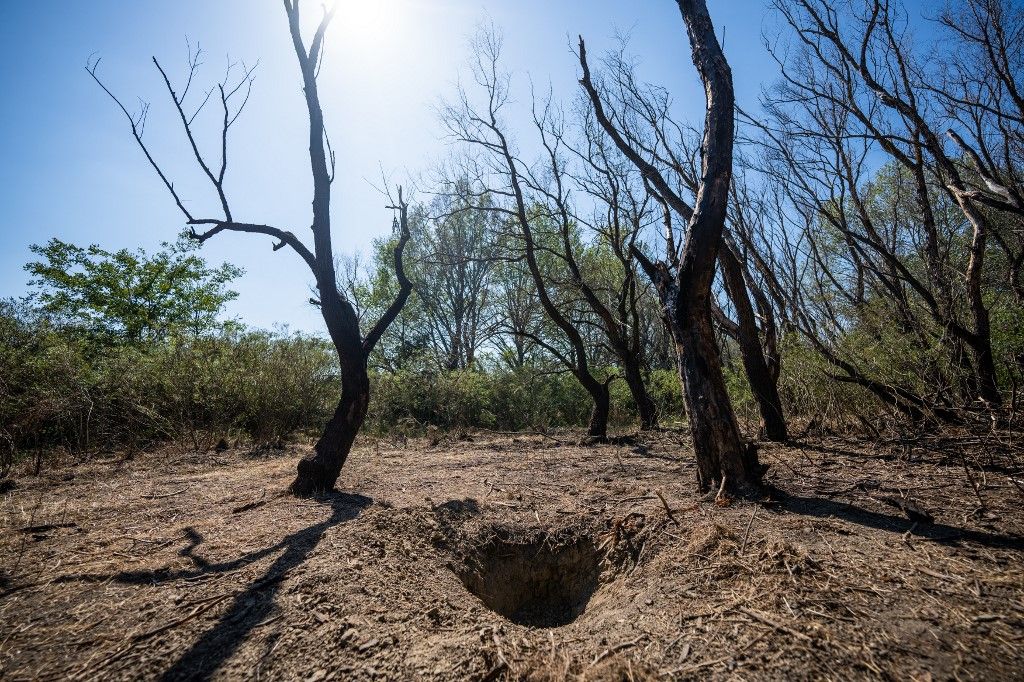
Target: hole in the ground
534, 583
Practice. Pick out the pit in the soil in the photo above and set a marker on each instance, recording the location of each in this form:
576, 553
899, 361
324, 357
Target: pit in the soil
534, 583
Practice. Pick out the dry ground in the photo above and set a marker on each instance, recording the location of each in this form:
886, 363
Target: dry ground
183, 566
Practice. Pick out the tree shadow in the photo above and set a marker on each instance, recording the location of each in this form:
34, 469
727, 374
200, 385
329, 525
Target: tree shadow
252, 606
195, 539
939, 532
643, 450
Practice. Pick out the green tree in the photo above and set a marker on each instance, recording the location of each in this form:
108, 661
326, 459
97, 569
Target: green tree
131, 295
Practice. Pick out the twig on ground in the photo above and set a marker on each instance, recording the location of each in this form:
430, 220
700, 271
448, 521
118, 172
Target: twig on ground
615, 649
746, 533
157, 497
668, 510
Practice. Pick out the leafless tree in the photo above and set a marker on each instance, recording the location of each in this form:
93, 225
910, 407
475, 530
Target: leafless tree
320, 470
684, 280
643, 118
855, 85
503, 175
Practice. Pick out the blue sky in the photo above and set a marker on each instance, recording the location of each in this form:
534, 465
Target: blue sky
69, 168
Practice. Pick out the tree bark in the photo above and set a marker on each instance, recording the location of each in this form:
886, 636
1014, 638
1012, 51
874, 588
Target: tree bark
598, 428
319, 471
645, 407
723, 459
759, 376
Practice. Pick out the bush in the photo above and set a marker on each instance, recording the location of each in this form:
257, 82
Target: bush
61, 390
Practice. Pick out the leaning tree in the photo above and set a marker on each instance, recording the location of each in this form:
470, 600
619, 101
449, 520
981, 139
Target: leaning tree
684, 281
318, 471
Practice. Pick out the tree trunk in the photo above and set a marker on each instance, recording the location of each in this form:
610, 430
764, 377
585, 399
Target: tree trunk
759, 376
722, 456
598, 429
988, 386
319, 471
644, 405
723, 459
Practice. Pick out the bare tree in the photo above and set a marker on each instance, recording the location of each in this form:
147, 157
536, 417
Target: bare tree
856, 85
507, 177
684, 281
642, 116
320, 470
621, 211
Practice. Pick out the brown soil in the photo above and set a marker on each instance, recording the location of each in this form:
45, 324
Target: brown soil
513, 557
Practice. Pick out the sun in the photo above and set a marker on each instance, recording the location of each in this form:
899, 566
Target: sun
372, 27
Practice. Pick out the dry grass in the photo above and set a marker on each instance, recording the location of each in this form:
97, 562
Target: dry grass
177, 565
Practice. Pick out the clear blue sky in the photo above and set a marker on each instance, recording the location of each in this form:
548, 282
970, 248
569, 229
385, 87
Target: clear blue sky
69, 168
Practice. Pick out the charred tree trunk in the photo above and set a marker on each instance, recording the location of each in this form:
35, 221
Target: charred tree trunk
598, 427
759, 375
723, 459
319, 471
645, 406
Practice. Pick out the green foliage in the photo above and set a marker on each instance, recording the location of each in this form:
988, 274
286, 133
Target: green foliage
130, 295
502, 399
56, 393
505, 400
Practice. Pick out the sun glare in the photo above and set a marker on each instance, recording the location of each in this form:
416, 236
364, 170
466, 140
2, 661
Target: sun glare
373, 28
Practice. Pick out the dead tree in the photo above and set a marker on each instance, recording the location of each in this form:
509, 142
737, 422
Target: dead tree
862, 69
982, 95
644, 121
762, 375
318, 471
622, 214
505, 176
684, 281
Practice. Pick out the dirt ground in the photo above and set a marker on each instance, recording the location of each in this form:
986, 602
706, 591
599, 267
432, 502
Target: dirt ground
498, 557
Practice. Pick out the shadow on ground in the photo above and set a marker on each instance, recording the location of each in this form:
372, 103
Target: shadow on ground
253, 605
939, 532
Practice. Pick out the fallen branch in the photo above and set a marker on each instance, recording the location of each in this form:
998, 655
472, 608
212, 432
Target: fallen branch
746, 533
42, 528
671, 516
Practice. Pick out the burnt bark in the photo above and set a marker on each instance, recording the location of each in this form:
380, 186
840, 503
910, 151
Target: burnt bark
632, 373
319, 471
598, 427
724, 460
759, 375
